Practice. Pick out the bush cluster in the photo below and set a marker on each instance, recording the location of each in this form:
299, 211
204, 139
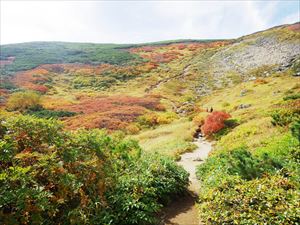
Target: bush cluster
241, 187
295, 128
51, 176
23, 101
284, 117
214, 122
287, 112
292, 97
45, 113
153, 119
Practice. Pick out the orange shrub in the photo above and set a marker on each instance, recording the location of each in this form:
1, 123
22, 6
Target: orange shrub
132, 129
260, 81
40, 88
32, 79
214, 122
294, 27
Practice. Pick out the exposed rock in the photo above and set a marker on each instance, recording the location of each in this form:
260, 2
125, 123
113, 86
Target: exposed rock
198, 159
276, 92
244, 106
254, 52
252, 78
243, 92
266, 74
296, 74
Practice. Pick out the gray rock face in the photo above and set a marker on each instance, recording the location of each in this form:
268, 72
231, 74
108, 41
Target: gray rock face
252, 78
244, 106
247, 59
255, 52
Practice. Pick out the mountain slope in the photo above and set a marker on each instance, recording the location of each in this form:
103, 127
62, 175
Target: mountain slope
178, 74
163, 95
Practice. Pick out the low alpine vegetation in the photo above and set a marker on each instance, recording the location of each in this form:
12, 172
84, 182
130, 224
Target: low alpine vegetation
215, 122
260, 186
51, 176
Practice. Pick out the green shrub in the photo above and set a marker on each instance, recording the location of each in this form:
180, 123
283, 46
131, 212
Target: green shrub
240, 187
45, 113
50, 176
133, 198
32, 134
295, 128
238, 162
7, 85
292, 97
229, 125
283, 117
269, 200
286, 112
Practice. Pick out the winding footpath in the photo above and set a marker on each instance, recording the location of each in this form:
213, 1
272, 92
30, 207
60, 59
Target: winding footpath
183, 210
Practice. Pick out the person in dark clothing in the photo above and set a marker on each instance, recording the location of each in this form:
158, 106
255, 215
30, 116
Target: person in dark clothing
211, 109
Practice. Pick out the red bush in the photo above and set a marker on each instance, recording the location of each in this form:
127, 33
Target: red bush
181, 46
40, 88
214, 122
111, 112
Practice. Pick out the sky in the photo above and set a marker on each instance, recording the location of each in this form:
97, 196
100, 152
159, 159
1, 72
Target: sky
139, 21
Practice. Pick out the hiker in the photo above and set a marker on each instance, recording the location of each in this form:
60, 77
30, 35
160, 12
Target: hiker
211, 109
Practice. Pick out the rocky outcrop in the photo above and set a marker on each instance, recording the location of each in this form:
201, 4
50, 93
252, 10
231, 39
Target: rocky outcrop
246, 55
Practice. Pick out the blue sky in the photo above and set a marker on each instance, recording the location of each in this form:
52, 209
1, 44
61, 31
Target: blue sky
139, 21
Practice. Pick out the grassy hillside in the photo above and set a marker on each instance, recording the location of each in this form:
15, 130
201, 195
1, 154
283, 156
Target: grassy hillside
29, 55
158, 94
252, 176
32, 54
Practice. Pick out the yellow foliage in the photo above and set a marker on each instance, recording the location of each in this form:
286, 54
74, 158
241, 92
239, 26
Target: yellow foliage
153, 119
132, 129
23, 100
199, 118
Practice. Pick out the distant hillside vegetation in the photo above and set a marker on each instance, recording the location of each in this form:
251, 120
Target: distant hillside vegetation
30, 55
25, 56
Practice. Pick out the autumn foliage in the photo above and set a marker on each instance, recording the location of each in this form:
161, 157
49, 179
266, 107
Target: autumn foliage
111, 112
49, 176
214, 122
294, 27
169, 52
23, 101
32, 79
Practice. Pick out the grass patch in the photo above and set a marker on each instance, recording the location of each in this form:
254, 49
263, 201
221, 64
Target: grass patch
169, 139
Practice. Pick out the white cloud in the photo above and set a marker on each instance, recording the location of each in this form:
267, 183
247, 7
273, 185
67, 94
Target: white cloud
132, 21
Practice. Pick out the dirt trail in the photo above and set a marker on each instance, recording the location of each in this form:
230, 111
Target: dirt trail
183, 210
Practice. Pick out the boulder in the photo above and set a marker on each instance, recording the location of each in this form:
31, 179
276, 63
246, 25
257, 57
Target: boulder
296, 74
244, 106
243, 92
